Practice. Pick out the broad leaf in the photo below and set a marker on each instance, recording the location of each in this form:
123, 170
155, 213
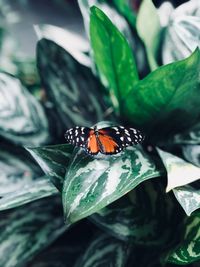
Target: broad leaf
148, 28
113, 57
22, 118
17, 170
188, 197
54, 161
73, 43
181, 36
70, 86
146, 216
29, 230
105, 251
167, 100
28, 192
20, 179
189, 250
92, 183
179, 171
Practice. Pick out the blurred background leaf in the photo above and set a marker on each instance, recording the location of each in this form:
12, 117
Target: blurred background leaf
70, 86
22, 118
29, 230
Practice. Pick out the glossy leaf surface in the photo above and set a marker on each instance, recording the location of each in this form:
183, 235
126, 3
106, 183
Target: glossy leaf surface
54, 161
92, 183
113, 56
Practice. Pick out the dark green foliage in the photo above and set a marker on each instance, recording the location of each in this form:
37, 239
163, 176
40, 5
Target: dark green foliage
115, 210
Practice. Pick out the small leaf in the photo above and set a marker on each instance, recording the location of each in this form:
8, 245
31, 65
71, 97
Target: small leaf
167, 100
92, 183
146, 216
22, 118
54, 161
70, 86
148, 28
179, 171
113, 57
189, 250
188, 197
73, 43
105, 251
29, 230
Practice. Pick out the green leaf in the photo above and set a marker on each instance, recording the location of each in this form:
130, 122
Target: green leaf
22, 118
113, 57
30, 191
118, 20
148, 28
105, 251
167, 100
73, 43
191, 136
70, 86
92, 183
54, 161
188, 197
146, 216
125, 8
20, 180
179, 171
189, 250
28, 230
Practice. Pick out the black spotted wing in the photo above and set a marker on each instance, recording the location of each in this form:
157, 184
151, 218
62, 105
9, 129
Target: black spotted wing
123, 136
78, 136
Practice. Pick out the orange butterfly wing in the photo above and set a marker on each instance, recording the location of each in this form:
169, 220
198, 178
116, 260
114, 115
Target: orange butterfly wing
108, 145
93, 146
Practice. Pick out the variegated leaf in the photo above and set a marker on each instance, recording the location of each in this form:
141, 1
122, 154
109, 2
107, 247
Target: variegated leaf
22, 118
28, 230
188, 197
92, 183
105, 251
54, 161
145, 216
179, 172
70, 86
189, 249
181, 36
74, 43
192, 153
28, 192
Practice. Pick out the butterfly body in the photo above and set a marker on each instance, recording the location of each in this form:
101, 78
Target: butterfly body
108, 140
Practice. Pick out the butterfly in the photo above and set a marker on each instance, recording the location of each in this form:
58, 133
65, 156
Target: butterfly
108, 140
